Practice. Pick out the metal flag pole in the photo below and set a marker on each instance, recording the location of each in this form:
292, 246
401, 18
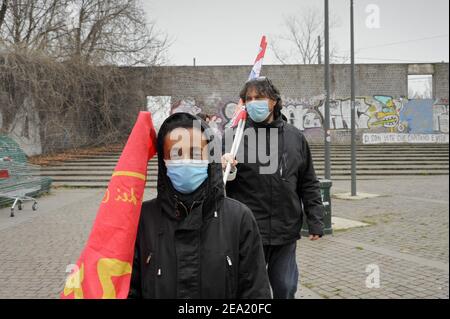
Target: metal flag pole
326, 126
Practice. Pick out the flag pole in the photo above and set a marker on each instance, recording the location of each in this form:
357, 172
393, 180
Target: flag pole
234, 148
254, 73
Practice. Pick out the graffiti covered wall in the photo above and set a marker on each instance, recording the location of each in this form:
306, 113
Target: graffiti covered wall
219, 117
376, 114
380, 107
379, 112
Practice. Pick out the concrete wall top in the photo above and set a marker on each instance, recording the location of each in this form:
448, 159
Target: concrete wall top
294, 81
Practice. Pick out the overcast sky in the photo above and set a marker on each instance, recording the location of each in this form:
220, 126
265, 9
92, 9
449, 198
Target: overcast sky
227, 32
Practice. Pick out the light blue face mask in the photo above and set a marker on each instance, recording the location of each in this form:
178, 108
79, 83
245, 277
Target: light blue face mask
187, 175
258, 110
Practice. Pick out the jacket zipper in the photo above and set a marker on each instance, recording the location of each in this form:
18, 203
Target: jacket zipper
178, 202
149, 258
229, 283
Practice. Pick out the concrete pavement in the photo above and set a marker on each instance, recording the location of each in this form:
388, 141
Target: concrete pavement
407, 242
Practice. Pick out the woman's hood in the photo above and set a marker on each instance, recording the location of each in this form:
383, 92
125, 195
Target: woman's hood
214, 183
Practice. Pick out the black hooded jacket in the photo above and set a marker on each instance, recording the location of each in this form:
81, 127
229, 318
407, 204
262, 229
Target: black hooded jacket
197, 246
279, 199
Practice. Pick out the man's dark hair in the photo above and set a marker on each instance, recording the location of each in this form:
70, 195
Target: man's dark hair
265, 87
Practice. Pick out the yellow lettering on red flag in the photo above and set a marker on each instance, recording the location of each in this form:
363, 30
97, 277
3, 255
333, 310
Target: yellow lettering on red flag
108, 268
73, 283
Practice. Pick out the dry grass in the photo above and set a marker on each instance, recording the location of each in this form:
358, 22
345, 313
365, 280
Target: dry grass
50, 159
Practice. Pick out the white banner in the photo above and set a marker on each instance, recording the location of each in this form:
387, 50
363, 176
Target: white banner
395, 138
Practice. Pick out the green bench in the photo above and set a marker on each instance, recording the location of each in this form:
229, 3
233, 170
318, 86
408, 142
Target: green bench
20, 181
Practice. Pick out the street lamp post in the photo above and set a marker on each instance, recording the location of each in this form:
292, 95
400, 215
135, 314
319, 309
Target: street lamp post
353, 102
326, 126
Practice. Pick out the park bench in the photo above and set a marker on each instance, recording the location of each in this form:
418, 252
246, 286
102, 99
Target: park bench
20, 181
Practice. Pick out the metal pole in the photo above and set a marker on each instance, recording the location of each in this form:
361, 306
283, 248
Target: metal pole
319, 48
326, 126
353, 108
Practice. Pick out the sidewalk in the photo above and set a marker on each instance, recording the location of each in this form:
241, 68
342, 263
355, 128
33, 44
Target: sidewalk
408, 239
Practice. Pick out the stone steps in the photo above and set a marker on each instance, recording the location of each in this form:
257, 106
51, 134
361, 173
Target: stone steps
373, 162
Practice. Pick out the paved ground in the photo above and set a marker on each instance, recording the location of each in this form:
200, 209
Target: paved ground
408, 241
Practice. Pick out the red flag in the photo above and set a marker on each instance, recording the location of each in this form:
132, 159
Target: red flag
256, 70
104, 267
240, 112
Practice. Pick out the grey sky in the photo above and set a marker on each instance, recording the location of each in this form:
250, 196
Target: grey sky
219, 32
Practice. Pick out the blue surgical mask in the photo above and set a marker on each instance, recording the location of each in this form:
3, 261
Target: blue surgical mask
187, 175
258, 110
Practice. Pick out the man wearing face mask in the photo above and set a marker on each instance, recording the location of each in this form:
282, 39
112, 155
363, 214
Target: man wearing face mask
278, 198
192, 242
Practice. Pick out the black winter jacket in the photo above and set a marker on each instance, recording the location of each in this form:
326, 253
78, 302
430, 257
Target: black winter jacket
278, 200
211, 249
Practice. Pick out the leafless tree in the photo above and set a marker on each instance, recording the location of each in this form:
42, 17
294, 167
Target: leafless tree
112, 32
88, 31
300, 42
31, 25
76, 102
3, 9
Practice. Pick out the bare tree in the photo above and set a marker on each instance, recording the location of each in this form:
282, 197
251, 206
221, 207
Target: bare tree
112, 32
32, 24
300, 42
3, 9
88, 31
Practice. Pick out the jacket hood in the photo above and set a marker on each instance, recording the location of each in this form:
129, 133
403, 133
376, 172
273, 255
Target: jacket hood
210, 193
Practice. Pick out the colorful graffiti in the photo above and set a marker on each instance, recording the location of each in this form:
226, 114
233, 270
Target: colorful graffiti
376, 114
384, 112
371, 113
217, 120
379, 113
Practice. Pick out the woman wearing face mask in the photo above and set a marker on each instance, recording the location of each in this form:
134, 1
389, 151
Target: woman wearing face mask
192, 242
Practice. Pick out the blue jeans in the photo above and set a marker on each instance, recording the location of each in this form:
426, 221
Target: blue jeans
282, 270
